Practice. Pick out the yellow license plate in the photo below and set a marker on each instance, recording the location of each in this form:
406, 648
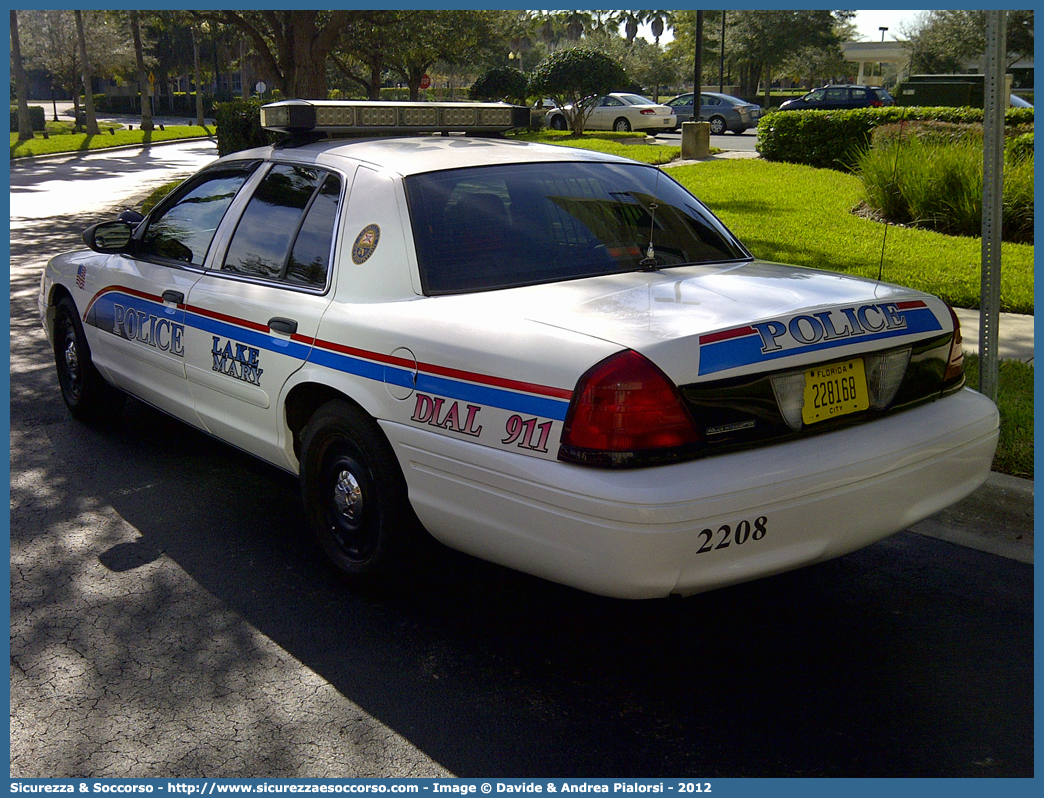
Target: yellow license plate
834, 390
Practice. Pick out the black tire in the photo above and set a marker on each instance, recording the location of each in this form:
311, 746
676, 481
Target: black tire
354, 493
85, 392
558, 122
717, 125
621, 125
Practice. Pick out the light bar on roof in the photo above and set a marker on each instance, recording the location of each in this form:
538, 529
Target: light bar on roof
360, 117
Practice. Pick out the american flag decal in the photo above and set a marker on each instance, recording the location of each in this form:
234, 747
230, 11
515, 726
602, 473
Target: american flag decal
81, 276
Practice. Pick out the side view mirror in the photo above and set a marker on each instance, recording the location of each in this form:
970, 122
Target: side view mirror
108, 237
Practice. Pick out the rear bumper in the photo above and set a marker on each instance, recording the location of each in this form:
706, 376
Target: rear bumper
696, 526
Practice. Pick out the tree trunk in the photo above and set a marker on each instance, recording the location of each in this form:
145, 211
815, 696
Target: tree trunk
88, 98
25, 125
195, 67
143, 92
244, 82
375, 78
308, 80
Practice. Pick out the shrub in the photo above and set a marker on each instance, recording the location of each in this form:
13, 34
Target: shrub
500, 83
835, 139
36, 117
938, 186
239, 126
568, 76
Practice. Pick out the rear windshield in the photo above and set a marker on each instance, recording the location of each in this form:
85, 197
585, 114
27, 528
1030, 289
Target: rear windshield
501, 226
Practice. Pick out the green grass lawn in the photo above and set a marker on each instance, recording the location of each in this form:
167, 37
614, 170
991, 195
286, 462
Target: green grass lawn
626, 145
81, 142
801, 215
1015, 403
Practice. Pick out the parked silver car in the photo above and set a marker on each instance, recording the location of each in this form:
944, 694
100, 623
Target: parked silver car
723, 111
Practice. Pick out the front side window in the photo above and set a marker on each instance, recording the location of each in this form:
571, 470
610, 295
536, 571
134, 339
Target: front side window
495, 227
286, 231
183, 230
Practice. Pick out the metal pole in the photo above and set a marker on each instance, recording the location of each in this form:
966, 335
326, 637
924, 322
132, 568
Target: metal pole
721, 68
995, 101
697, 83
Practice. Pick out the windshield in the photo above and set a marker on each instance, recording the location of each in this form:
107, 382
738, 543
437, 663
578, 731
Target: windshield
501, 226
636, 99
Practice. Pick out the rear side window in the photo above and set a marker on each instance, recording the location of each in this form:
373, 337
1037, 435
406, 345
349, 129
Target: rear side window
496, 227
286, 231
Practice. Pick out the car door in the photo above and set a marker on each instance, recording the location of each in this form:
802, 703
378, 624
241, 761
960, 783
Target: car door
860, 98
836, 97
253, 317
605, 113
140, 312
708, 105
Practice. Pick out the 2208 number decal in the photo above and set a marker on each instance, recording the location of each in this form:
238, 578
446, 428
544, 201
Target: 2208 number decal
725, 535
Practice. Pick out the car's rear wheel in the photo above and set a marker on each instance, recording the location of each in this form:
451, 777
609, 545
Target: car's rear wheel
717, 125
621, 125
354, 492
558, 122
84, 391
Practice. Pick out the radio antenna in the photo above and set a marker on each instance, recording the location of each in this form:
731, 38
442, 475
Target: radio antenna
648, 263
895, 173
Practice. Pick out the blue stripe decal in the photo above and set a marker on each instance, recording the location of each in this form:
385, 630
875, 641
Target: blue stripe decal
245, 335
746, 351
473, 393
493, 397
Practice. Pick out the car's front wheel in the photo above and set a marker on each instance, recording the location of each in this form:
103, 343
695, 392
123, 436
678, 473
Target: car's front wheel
355, 496
84, 391
621, 125
717, 125
558, 122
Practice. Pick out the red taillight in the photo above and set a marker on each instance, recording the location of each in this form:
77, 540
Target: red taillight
625, 411
877, 104
955, 365
647, 111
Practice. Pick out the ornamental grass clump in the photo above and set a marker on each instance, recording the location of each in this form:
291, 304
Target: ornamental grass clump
935, 182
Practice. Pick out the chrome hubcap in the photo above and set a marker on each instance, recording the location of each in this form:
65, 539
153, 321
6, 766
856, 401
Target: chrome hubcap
348, 496
72, 362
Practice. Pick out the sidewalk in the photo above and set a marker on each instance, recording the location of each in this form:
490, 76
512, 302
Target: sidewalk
998, 517
1015, 334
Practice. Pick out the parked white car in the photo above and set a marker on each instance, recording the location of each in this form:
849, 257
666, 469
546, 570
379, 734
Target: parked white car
554, 359
621, 112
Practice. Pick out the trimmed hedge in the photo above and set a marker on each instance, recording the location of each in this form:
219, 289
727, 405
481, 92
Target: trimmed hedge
239, 126
36, 117
834, 139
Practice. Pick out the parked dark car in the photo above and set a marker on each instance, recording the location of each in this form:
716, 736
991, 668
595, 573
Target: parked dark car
840, 97
723, 111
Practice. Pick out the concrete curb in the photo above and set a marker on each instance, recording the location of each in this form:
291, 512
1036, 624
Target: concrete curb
55, 156
997, 519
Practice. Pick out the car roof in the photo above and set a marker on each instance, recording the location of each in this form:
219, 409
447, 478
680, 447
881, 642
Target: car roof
407, 155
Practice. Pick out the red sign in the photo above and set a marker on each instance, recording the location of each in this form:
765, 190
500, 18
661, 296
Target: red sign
425, 82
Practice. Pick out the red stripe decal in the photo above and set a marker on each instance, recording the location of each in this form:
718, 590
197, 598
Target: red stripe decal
430, 368
443, 371
908, 305
119, 289
726, 335
213, 314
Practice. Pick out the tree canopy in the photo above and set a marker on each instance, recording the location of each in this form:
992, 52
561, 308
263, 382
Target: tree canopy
943, 42
573, 75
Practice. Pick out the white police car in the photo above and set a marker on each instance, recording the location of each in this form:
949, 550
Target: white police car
558, 360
